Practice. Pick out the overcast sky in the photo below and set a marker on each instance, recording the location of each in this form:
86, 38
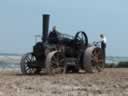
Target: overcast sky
20, 21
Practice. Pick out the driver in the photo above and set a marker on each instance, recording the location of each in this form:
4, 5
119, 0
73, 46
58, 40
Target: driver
53, 35
54, 29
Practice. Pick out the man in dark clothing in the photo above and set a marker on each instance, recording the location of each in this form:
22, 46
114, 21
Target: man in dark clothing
53, 35
103, 45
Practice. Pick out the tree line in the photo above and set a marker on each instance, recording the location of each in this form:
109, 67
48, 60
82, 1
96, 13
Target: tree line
122, 64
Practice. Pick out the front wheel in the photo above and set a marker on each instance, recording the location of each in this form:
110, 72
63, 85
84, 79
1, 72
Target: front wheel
26, 64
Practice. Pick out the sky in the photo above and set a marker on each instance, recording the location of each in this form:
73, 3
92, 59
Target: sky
20, 21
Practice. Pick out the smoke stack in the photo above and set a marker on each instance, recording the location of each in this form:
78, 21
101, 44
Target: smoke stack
45, 26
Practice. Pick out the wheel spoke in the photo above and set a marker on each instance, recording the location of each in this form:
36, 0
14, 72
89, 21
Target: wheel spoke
28, 59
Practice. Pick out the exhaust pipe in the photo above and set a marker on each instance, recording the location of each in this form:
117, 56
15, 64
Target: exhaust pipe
45, 27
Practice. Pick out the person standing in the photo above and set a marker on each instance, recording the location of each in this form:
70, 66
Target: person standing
103, 45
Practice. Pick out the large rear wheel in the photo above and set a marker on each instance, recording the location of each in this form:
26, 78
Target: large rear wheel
55, 63
93, 60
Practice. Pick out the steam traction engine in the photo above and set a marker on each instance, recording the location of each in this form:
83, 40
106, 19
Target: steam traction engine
60, 53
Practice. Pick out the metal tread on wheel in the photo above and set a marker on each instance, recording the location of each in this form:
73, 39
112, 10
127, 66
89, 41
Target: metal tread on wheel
26, 63
54, 63
93, 59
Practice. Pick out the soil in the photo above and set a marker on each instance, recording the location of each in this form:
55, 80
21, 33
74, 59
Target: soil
110, 82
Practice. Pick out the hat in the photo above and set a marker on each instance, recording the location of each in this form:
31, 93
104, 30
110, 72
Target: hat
101, 35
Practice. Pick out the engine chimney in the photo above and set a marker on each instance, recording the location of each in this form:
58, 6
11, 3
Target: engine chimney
45, 26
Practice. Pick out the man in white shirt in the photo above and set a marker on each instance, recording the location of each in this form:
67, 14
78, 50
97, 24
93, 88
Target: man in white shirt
103, 45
